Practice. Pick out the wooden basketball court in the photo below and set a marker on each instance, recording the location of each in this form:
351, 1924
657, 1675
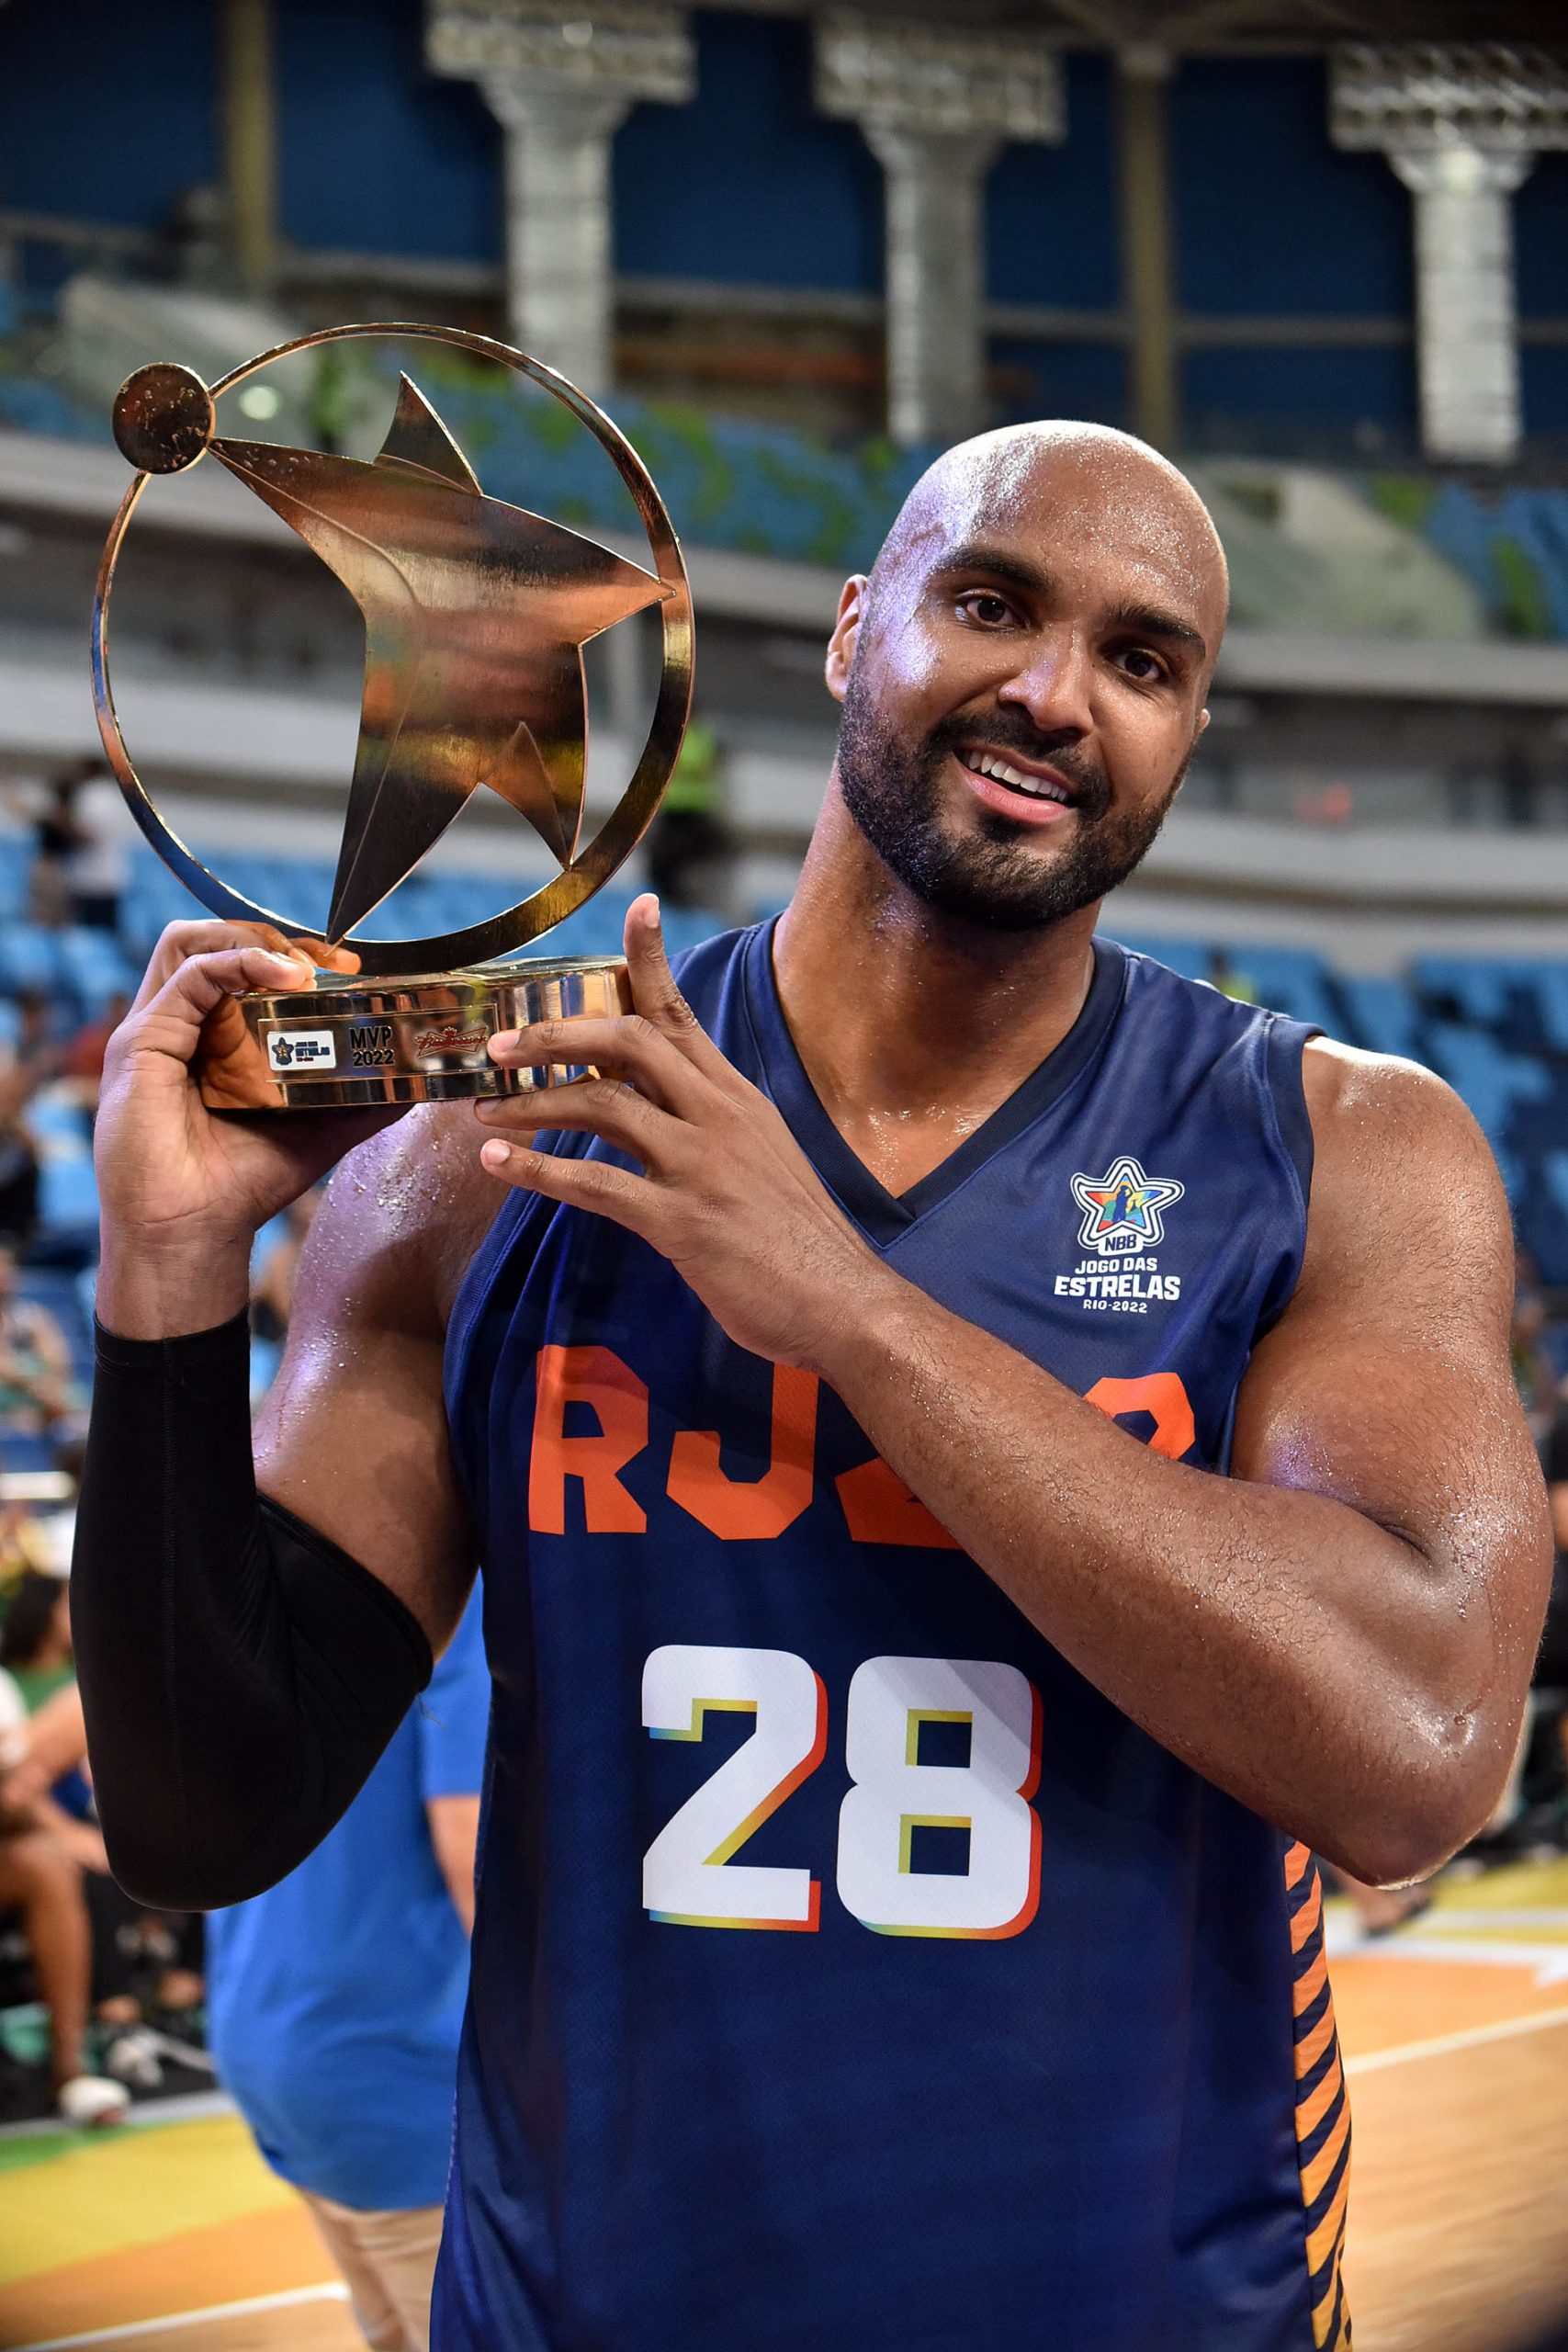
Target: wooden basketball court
172, 2236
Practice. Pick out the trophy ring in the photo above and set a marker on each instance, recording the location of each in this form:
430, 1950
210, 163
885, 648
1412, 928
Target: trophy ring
476, 613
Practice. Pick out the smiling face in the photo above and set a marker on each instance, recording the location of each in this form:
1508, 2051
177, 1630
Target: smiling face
1023, 675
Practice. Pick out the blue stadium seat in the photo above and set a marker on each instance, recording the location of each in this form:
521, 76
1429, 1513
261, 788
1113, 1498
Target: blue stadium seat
95, 966
1383, 1016
1480, 986
15, 860
1548, 984
29, 958
68, 1199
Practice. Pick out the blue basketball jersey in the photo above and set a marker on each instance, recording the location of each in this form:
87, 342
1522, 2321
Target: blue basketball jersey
849, 1972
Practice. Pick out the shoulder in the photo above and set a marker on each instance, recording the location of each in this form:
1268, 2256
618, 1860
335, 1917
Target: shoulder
1367, 1108
1402, 1176
403, 1215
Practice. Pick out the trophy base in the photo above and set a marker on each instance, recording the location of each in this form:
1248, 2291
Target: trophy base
362, 1044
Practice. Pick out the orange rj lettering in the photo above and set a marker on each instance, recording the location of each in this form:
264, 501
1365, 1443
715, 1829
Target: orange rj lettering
754, 1508
597, 1377
1163, 1397
879, 1509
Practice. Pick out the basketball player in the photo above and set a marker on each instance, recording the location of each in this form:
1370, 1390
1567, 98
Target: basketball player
985, 1455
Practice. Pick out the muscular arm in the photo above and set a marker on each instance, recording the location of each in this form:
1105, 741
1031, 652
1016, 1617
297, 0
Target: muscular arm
352, 1437
244, 1657
1341, 1632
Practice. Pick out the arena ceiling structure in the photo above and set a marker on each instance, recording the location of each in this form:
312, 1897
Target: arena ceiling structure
1197, 26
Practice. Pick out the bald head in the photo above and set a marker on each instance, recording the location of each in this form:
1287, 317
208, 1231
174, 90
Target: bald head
1024, 683
1060, 481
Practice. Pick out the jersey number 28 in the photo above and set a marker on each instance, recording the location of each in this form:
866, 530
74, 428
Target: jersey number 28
688, 1877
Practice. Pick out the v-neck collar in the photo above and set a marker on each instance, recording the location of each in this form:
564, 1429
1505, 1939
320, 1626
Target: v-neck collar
882, 1215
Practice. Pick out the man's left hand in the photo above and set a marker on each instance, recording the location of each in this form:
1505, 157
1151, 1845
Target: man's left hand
724, 1192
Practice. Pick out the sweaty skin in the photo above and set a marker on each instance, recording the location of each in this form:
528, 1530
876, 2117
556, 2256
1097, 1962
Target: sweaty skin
1341, 1632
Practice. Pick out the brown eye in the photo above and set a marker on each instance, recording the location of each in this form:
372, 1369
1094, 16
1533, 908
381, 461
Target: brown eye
990, 611
1150, 669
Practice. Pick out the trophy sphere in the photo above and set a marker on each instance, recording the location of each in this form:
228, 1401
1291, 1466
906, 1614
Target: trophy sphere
163, 418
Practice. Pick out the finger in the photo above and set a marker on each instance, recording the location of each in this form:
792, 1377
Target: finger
172, 1023
180, 940
591, 1184
657, 996
605, 1107
624, 1043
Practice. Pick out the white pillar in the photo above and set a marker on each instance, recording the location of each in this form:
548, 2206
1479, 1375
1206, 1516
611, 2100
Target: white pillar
1461, 127
1466, 329
935, 274
936, 108
560, 85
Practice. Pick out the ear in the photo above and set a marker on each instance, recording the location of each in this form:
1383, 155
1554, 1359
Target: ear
1203, 716
846, 634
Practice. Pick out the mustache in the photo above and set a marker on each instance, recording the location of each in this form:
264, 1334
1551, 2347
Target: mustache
1012, 730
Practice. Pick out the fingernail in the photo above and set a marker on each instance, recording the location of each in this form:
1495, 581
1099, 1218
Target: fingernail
504, 1042
495, 1154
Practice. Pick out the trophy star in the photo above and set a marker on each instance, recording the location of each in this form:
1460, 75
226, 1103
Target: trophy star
476, 614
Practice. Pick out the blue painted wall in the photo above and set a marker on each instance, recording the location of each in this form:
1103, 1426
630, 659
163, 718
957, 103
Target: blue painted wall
1270, 217
748, 184
106, 106
1540, 237
375, 153
1050, 211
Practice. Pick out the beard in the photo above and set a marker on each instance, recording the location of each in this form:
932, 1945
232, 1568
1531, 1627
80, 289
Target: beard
990, 877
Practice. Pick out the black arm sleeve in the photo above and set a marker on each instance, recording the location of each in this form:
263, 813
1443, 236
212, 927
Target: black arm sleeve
239, 1675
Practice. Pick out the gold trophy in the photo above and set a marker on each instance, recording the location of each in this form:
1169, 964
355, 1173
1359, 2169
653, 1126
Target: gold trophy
476, 614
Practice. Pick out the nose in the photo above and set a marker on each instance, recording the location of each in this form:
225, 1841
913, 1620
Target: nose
1054, 685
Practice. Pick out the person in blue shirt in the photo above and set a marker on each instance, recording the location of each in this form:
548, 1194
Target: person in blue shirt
336, 2002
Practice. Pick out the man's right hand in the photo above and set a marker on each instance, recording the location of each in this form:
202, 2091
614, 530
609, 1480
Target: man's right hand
184, 1189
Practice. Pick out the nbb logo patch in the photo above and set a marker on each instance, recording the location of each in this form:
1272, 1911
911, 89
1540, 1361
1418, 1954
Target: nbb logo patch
1123, 1225
289, 1051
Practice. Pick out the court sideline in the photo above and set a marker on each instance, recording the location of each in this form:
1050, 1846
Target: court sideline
1456, 2040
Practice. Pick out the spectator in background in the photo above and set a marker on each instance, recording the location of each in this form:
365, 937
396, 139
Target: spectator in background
38, 1053
35, 1639
45, 1789
19, 1159
335, 2002
38, 1395
1534, 1375
54, 838
1222, 974
89, 809
41, 1877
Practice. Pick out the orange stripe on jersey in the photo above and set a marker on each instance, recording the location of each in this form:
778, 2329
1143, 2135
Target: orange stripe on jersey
1311, 2047
1312, 1977
1314, 2105
1327, 2240
1307, 1919
1315, 2176
1323, 2109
